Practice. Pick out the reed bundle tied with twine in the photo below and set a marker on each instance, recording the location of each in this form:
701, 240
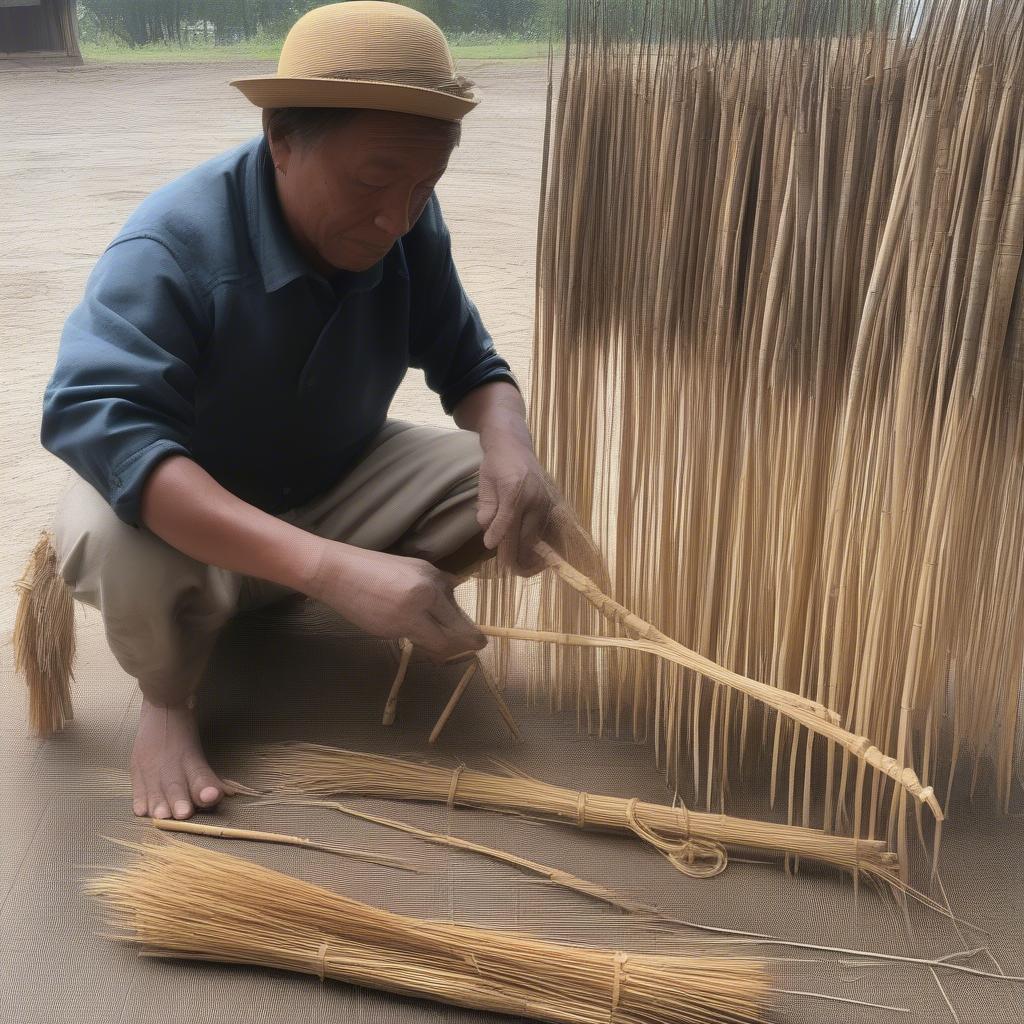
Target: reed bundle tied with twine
779, 375
692, 841
180, 900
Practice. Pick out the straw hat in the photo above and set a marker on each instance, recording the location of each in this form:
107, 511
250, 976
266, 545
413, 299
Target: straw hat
376, 56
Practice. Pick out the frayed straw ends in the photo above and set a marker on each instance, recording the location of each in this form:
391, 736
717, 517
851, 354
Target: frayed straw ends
44, 639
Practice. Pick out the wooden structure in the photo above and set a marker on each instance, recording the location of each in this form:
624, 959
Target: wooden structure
39, 29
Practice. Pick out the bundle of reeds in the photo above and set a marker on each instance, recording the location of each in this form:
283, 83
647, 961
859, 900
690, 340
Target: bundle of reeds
180, 900
44, 640
692, 841
779, 374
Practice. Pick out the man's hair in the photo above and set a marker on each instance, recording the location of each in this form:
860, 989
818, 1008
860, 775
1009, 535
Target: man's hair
308, 125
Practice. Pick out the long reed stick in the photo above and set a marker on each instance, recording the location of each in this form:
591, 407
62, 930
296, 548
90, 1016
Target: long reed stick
196, 828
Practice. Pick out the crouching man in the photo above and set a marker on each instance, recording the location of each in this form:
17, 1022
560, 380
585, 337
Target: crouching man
222, 390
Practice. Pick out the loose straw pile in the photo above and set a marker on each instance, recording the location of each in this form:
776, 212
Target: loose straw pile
692, 841
779, 374
183, 901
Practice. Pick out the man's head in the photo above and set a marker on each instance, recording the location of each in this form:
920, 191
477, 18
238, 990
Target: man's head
351, 182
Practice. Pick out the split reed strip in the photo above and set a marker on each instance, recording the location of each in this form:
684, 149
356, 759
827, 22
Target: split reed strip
779, 375
555, 875
179, 900
196, 828
691, 840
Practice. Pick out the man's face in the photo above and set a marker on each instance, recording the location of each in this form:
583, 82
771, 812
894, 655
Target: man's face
352, 193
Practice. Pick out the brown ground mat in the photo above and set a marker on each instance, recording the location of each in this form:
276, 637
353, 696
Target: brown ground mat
298, 673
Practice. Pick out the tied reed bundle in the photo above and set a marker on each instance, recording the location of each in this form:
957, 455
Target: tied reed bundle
779, 374
693, 842
178, 900
44, 640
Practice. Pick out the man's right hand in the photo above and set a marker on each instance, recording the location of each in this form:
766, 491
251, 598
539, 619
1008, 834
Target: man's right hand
393, 596
387, 595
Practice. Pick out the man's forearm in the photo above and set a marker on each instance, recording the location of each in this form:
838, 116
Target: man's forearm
494, 411
183, 505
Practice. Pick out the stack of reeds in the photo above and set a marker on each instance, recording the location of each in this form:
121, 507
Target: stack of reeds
779, 374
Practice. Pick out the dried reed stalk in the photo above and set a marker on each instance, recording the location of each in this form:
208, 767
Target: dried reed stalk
44, 640
196, 828
555, 875
475, 667
692, 841
779, 374
179, 900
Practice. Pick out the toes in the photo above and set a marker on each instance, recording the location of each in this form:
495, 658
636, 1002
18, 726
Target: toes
158, 805
140, 805
206, 789
177, 796
204, 785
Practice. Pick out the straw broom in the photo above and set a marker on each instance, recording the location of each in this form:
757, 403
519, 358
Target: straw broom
44, 640
693, 842
182, 901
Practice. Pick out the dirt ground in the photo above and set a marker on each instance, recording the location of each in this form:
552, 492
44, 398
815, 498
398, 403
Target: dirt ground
80, 148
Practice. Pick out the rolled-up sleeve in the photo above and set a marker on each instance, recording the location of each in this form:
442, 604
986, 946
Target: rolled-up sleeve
448, 339
121, 397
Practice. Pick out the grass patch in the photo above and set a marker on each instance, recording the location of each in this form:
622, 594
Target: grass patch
484, 48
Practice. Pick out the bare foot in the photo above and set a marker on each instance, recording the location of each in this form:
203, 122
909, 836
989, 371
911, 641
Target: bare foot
170, 773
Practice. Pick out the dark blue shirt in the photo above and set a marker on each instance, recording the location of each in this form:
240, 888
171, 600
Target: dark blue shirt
204, 332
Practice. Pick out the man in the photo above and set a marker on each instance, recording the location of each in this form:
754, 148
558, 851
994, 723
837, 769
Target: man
222, 390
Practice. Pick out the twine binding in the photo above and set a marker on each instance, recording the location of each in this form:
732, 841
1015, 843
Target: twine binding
696, 858
456, 775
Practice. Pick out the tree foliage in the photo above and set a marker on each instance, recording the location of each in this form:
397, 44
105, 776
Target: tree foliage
137, 22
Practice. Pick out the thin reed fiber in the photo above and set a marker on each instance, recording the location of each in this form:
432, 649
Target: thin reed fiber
184, 901
778, 373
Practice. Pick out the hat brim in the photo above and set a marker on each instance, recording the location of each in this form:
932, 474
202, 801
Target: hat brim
271, 91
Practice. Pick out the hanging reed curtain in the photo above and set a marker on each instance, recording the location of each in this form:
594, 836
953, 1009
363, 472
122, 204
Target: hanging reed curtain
778, 373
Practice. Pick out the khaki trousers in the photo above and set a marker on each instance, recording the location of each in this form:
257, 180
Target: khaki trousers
413, 493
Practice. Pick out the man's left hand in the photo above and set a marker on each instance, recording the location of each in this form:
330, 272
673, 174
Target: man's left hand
517, 499
515, 505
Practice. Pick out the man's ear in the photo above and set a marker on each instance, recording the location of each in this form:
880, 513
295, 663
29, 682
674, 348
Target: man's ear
280, 150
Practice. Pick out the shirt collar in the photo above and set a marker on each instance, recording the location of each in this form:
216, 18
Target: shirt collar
277, 255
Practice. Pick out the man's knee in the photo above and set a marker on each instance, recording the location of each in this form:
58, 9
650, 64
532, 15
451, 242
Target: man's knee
138, 581
87, 536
